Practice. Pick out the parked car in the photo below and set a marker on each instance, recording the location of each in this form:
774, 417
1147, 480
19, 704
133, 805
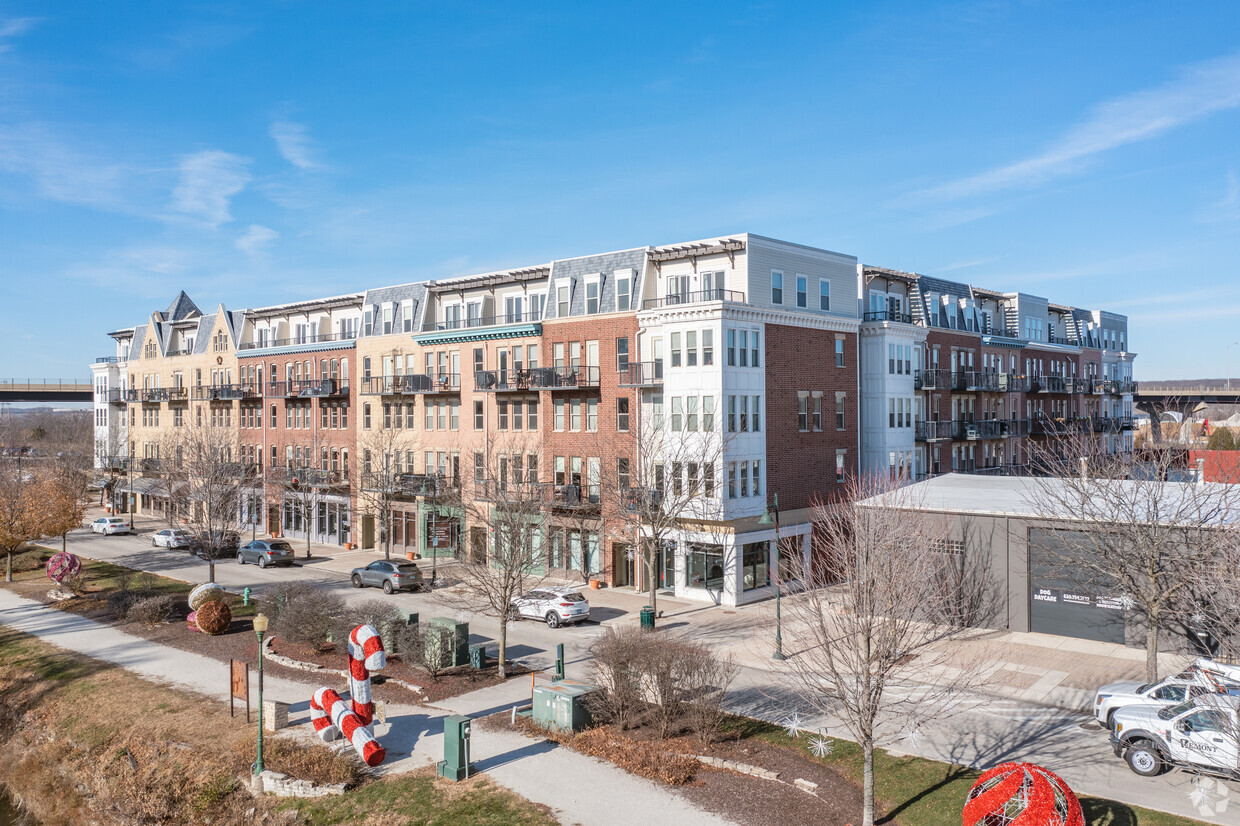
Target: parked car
390, 576
1198, 735
266, 552
1202, 677
108, 525
555, 606
172, 538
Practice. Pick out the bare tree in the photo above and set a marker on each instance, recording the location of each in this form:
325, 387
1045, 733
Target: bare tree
673, 475
1132, 533
880, 600
514, 513
388, 457
203, 482
309, 473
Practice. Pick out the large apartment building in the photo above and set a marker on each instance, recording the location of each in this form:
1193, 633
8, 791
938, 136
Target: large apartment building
960, 379
713, 376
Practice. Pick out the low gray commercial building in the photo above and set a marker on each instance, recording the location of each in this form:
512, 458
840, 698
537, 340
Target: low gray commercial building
1000, 516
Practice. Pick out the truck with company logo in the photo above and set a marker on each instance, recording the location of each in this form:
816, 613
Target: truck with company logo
1201, 735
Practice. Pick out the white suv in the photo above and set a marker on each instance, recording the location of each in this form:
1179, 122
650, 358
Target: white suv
1202, 677
554, 605
108, 525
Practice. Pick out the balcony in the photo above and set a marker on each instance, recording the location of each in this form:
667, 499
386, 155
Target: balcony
932, 431
1014, 427
225, 392
106, 360
888, 315
307, 388
403, 484
536, 378
934, 379
1012, 383
694, 298
185, 351
1075, 385
152, 395
537, 494
972, 380
411, 384
118, 396
641, 374
1053, 384
290, 342
488, 321
306, 477
116, 463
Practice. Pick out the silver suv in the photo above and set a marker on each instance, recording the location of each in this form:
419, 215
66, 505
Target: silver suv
554, 605
390, 576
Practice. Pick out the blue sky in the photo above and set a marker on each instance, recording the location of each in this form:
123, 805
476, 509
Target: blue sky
255, 153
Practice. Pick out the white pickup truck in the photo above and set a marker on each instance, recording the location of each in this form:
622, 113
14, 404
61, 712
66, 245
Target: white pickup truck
1199, 735
1202, 677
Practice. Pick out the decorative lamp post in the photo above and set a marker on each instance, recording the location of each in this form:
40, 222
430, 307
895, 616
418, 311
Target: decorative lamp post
260, 628
772, 517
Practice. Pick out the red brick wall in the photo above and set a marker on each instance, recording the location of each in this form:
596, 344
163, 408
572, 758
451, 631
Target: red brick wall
1220, 465
800, 464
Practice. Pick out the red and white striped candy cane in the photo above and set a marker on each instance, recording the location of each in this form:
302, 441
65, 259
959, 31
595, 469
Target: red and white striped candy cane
322, 720
343, 719
366, 654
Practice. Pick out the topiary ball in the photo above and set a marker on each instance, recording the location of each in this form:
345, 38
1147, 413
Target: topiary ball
1021, 794
192, 621
201, 595
62, 566
213, 618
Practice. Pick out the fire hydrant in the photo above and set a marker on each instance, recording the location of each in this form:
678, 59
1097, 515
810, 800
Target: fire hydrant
245, 596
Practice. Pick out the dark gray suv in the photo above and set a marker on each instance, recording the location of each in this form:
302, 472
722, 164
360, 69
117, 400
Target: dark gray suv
390, 576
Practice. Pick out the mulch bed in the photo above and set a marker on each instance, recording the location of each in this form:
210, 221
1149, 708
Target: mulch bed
240, 643
746, 799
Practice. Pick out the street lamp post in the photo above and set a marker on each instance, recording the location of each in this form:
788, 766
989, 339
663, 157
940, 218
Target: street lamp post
772, 517
260, 628
1229, 346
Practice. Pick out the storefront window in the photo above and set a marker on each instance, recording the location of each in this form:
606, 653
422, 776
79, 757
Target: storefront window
704, 567
756, 564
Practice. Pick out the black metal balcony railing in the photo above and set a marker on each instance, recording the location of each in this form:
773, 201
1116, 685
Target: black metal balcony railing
307, 388
888, 315
932, 431
641, 374
1012, 383
488, 320
117, 463
536, 378
225, 392
1014, 427
289, 342
976, 380
694, 298
148, 465
539, 494
404, 484
118, 396
1053, 384
185, 351
413, 383
933, 379
306, 477
1060, 340
164, 394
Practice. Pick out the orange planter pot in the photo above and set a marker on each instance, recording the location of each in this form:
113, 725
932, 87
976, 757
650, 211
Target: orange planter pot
595, 584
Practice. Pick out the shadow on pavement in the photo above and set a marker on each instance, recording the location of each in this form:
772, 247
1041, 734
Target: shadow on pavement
498, 760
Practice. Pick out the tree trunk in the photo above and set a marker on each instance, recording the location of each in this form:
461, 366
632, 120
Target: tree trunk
867, 785
1151, 649
64, 542
651, 571
503, 646
211, 569
8, 567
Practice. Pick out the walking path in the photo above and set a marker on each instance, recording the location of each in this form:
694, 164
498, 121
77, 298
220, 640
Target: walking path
578, 789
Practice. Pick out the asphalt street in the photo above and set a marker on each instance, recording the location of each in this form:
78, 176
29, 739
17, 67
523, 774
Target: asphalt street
979, 730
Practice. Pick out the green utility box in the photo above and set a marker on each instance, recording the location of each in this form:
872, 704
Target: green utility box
452, 643
455, 764
478, 656
561, 705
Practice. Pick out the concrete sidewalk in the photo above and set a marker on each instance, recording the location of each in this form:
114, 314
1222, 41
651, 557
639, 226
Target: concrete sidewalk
577, 788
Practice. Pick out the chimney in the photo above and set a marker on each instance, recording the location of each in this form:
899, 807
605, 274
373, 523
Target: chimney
1201, 471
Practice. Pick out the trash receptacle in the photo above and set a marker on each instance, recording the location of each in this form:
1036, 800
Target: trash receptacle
478, 656
647, 618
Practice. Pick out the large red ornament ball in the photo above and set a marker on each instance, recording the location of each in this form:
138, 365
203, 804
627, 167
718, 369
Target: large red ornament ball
1021, 794
62, 566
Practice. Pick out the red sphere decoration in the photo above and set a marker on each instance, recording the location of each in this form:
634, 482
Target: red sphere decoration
62, 566
1021, 794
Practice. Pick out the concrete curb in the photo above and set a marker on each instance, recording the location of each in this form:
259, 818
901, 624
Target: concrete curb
289, 662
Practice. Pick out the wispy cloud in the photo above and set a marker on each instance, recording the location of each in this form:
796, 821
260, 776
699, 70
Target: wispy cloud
1227, 208
256, 239
295, 144
1200, 90
62, 172
13, 27
209, 179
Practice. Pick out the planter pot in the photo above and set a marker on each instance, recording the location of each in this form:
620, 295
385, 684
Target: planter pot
410, 555
348, 546
595, 584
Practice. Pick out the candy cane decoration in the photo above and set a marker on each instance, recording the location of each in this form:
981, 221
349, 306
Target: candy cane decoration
347, 723
366, 654
332, 717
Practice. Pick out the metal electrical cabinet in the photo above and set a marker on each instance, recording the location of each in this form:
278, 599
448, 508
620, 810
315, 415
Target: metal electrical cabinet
455, 640
562, 705
456, 733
